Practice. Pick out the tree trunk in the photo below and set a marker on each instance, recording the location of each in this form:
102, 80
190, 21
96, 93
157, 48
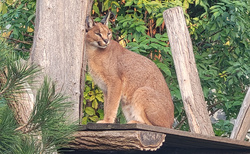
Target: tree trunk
188, 79
58, 46
242, 123
21, 103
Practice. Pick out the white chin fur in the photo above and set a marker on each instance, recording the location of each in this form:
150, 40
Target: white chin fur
98, 46
103, 47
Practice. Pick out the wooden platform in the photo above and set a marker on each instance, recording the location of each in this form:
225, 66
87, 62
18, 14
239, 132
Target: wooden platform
139, 138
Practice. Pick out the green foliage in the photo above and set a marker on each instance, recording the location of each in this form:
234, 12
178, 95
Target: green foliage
222, 38
14, 72
17, 24
223, 128
92, 103
8, 136
49, 117
220, 33
120, 117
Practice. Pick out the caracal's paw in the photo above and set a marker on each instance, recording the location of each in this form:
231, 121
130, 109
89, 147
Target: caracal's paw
134, 122
103, 122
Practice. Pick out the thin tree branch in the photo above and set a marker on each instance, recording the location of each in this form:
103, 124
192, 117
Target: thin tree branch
18, 41
24, 50
213, 105
180, 123
203, 41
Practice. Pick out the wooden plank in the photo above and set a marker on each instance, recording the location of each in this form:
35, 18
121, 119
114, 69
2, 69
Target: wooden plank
187, 74
242, 123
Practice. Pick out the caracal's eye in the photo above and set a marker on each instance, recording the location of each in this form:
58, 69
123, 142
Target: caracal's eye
98, 34
109, 33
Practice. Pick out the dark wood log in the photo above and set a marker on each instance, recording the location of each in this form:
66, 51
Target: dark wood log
242, 123
188, 78
117, 140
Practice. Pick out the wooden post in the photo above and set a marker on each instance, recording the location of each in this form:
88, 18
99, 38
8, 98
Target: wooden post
188, 78
58, 46
242, 123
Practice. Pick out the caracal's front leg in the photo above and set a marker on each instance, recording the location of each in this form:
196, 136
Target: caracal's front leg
111, 101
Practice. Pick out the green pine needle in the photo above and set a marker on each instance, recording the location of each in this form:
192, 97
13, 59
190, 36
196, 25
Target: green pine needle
48, 128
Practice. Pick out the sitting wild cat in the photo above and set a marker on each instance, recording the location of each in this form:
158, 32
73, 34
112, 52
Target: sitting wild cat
127, 77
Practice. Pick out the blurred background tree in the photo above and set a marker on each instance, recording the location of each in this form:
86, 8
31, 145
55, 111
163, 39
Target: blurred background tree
219, 30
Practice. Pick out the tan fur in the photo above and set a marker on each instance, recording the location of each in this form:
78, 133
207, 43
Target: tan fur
127, 77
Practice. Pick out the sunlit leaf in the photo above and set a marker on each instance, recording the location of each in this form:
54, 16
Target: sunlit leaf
159, 21
129, 2
90, 111
94, 118
95, 104
84, 120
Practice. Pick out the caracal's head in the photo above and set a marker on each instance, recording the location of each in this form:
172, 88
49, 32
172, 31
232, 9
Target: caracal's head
98, 34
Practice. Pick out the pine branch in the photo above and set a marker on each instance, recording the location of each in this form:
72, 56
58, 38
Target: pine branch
5, 89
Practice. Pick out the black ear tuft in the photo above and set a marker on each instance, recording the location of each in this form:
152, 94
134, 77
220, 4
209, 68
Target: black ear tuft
89, 23
105, 20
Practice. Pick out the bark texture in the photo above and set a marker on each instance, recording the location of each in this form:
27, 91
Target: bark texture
117, 140
242, 123
58, 46
188, 78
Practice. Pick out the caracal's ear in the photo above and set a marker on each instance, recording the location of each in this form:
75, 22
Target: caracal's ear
89, 23
105, 20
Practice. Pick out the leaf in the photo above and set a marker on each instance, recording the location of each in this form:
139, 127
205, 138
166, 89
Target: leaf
90, 111
95, 104
4, 8
106, 5
158, 36
159, 21
92, 98
1, 6
179, 107
99, 97
197, 2
124, 24
15, 32
164, 39
185, 4
88, 77
115, 3
9, 2
129, 3
164, 68
84, 120
216, 14
154, 45
96, 9
94, 118
148, 9
101, 113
